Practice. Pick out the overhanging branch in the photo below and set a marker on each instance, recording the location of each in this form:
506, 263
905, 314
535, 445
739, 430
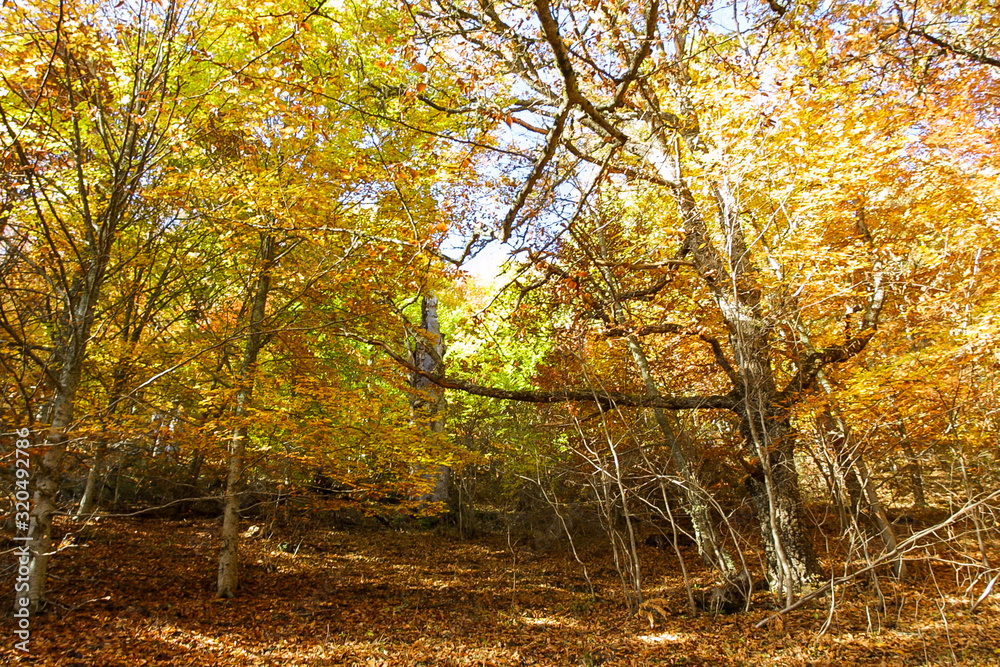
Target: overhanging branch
551, 143
651, 17
974, 56
605, 398
670, 327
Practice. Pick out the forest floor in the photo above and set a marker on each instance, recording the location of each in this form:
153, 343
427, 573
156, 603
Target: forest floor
129, 592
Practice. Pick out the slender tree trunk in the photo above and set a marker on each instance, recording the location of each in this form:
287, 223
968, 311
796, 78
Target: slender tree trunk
710, 543
79, 319
229, 556
835, 438
914, 469
427, 398
858, 481
46, 487
90, 491
711, 546
879, 515
194, 470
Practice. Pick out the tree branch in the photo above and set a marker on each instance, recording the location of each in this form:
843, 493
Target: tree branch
717, 351
573, 95
814, 363
974, 56
605, 398
551, 143
644, 266
652, 14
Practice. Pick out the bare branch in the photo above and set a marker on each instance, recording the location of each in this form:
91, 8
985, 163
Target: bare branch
652, 14
717, 351
551, 143
573, 95
903, 547
974, 56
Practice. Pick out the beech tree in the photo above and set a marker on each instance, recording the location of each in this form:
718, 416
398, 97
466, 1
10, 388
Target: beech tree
93, 99
767, 168
740, 233
427, 399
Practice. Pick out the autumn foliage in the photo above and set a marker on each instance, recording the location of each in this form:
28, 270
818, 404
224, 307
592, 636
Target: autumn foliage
738, 311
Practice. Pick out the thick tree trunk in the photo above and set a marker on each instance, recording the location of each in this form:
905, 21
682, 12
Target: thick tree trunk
774, 488
764, 419
229, 555
427, 398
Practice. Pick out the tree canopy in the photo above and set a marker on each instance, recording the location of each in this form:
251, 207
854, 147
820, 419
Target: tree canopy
746, 255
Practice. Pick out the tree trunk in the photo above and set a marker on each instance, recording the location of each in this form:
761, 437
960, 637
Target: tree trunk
90, 491
427, 398
835, 439
879, 515
711, 546
46, 488
194, 470
73, 340
229, 556
774, 488
856, 475
763, 412
915, 471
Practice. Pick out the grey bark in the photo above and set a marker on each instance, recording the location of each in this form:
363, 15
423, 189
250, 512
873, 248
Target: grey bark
229, 553
47, 473
427, 398
711, 546
130, 139
764, 415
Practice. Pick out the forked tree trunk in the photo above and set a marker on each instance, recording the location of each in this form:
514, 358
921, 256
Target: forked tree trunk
427, 398
229, 556
129, 143
763, 411
79, 320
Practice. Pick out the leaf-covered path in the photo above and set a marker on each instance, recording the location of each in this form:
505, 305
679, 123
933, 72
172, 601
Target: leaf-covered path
140, 592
